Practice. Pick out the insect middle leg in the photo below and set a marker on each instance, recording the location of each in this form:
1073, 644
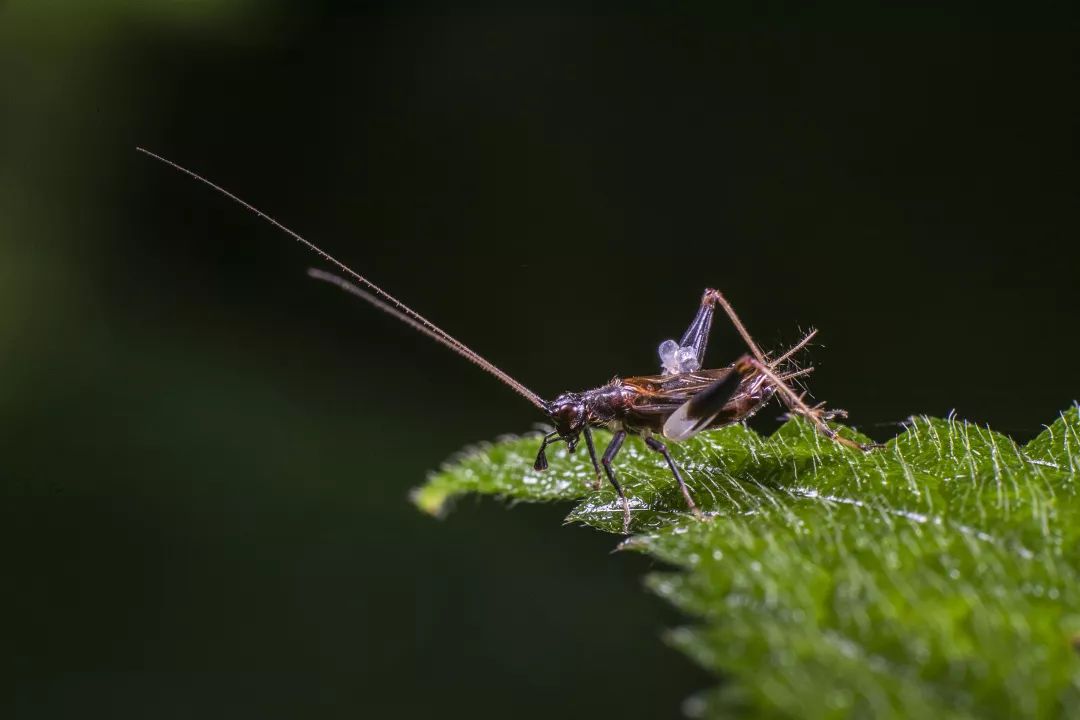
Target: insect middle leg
609, 456
587, 432
661, 448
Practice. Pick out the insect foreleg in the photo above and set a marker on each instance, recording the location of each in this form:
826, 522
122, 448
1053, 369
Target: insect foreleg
541, 463
609, 457
661, 448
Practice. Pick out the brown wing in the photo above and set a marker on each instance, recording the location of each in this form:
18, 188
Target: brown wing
700, 411
659, 396
675, 388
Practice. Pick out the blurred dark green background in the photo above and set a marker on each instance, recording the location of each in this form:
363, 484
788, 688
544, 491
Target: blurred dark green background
205, 456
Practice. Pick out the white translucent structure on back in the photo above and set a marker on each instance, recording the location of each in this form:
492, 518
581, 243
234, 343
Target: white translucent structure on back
676, 359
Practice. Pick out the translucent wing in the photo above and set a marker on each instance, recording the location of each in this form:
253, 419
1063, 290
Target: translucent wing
699, 411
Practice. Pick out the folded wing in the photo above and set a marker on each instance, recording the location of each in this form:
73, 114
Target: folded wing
695, 414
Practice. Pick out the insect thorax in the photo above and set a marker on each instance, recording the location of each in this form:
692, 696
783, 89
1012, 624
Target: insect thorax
607, 403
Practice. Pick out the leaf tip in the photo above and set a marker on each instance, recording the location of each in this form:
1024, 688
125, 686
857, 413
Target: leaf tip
431, 498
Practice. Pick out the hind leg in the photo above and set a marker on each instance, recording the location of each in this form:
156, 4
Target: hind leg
816, 415
688, 354
661, 448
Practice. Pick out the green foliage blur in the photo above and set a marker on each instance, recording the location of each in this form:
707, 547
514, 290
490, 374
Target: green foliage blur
205, 457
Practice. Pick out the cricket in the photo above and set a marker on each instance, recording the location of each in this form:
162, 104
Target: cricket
676, 404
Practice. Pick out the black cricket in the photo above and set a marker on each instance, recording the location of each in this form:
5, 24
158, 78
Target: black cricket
675, 405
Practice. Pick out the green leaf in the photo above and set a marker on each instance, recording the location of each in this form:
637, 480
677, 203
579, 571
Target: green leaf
936, 577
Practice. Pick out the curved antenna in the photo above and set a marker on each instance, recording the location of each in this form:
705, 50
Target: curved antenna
457, 347
392, 304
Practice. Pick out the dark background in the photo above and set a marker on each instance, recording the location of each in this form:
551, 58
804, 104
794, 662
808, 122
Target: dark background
205, 456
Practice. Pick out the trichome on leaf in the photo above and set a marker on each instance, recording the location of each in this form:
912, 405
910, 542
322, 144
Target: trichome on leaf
937, 577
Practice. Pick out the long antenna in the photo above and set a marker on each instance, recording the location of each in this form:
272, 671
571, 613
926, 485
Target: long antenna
392, 305
457, 347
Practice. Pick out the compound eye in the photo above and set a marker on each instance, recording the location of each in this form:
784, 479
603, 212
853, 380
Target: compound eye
569, 417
